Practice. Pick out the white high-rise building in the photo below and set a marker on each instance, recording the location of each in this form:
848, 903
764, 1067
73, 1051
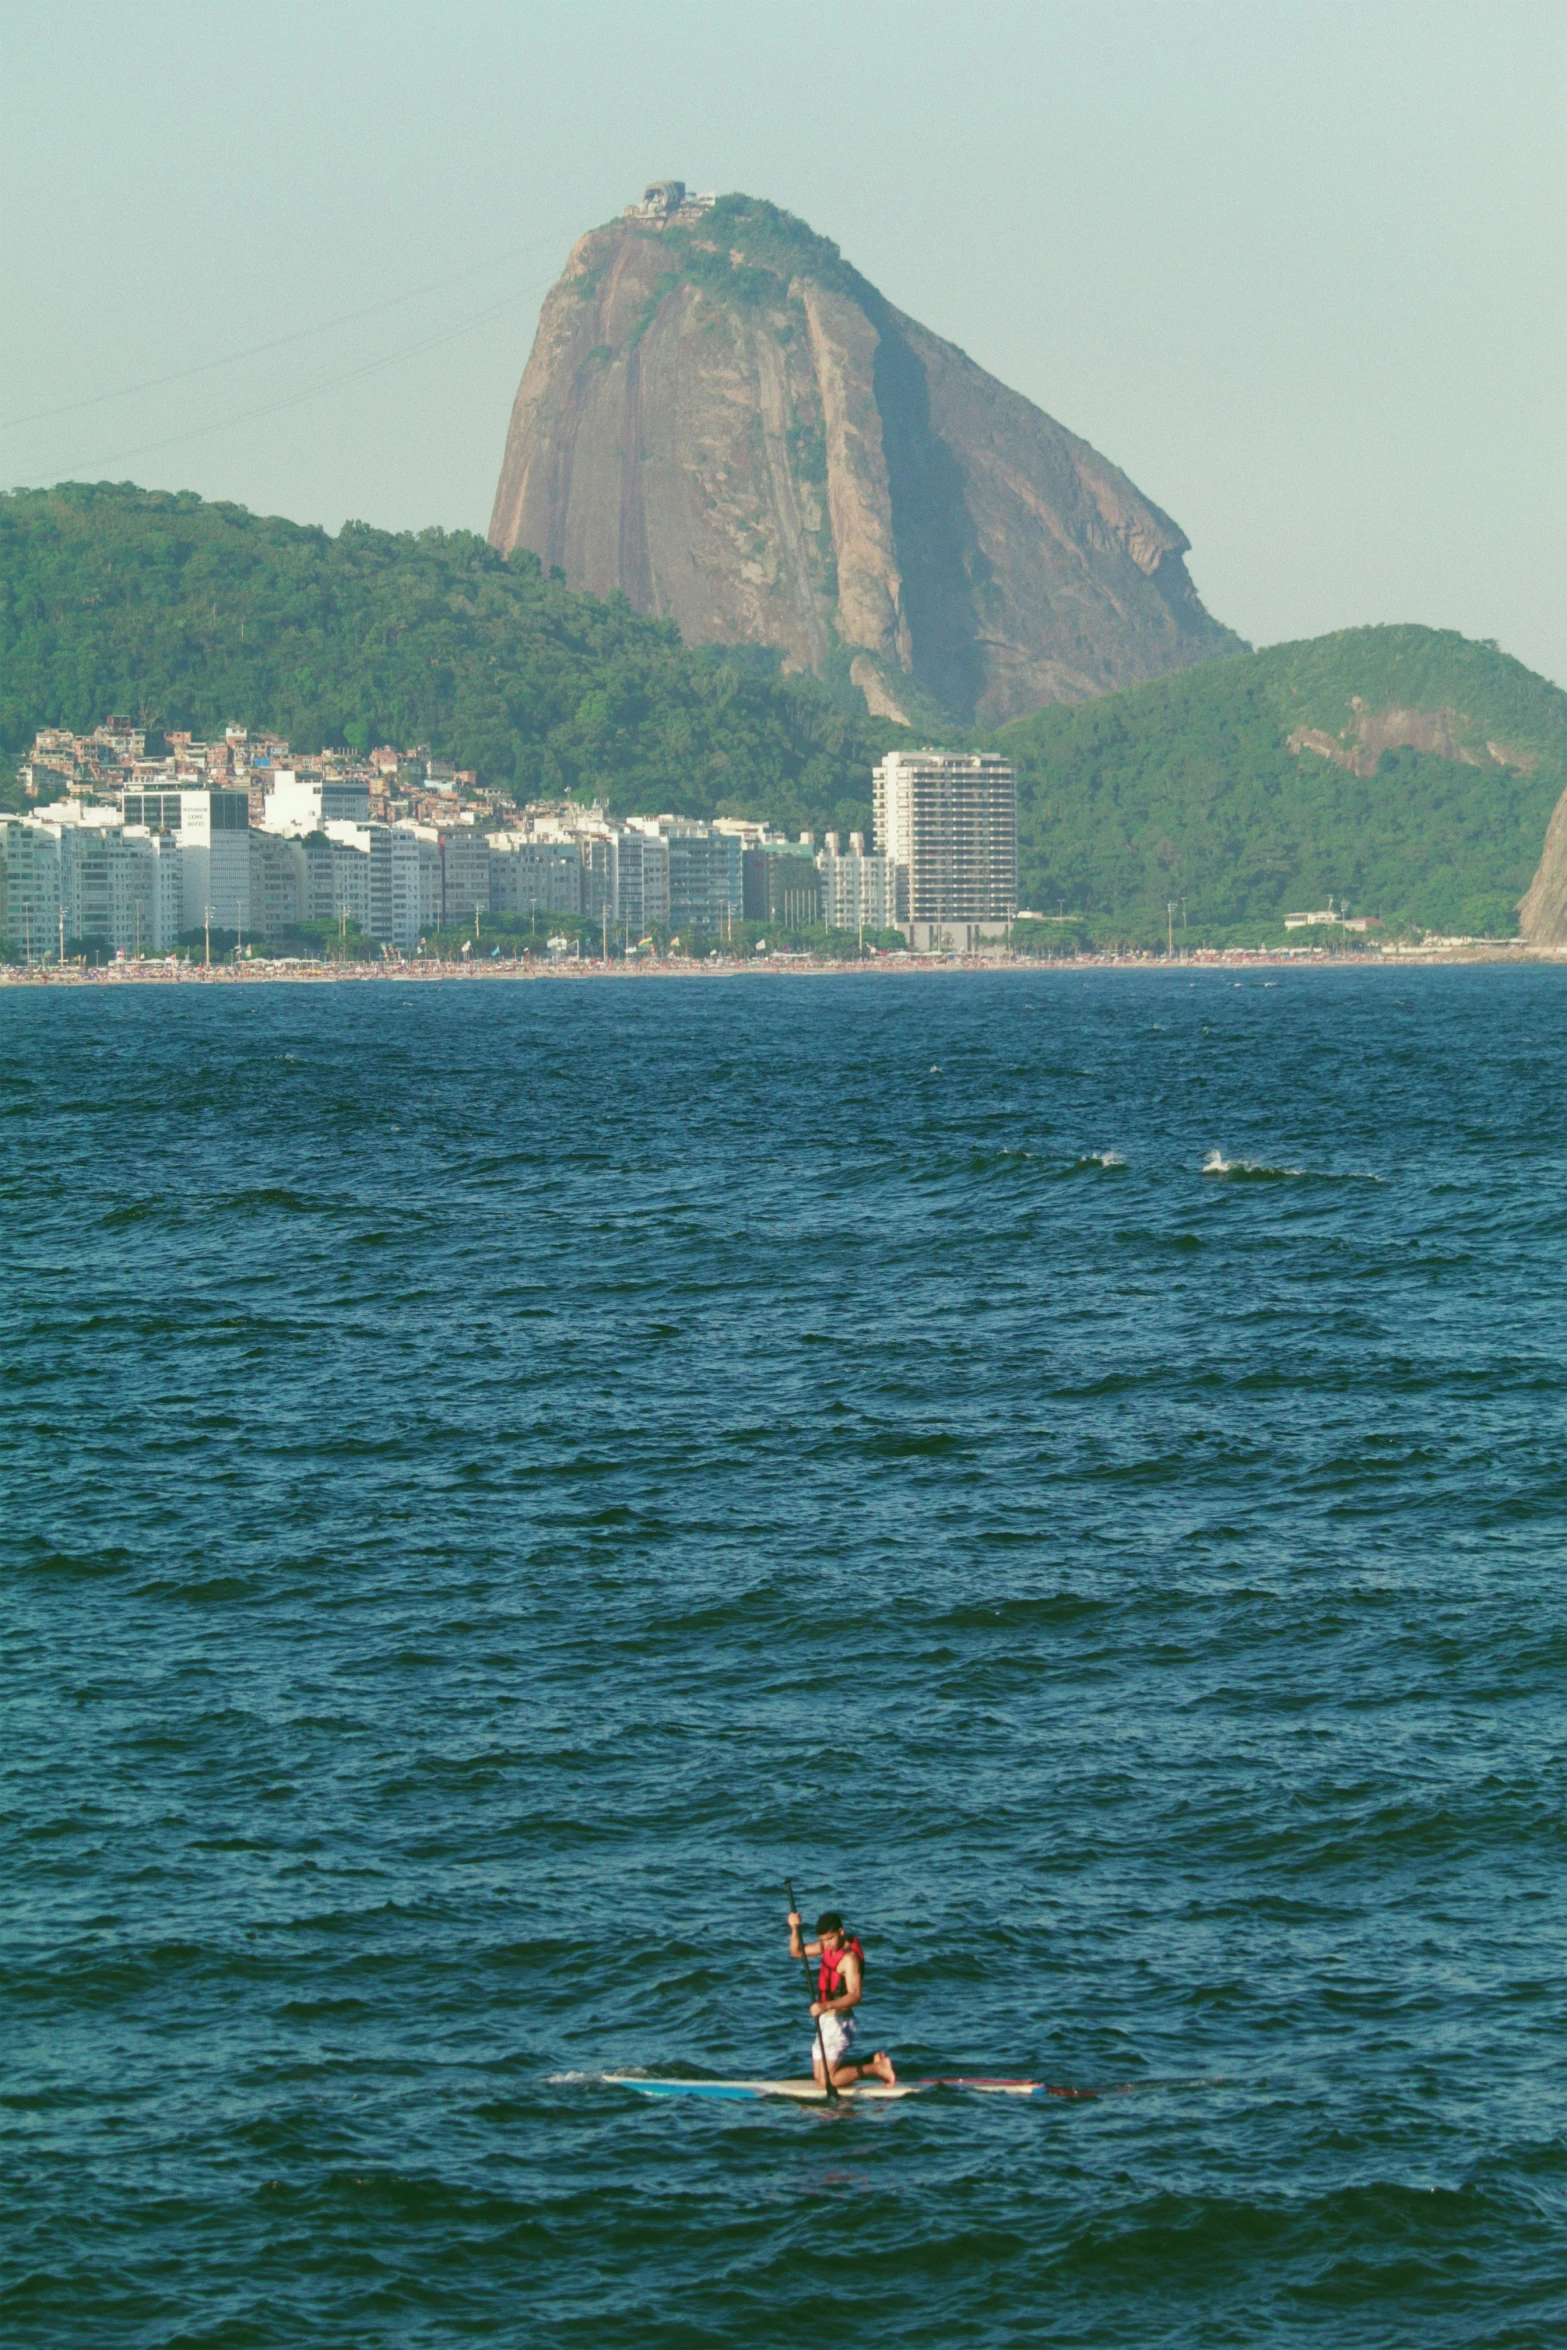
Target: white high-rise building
299, 804
948, 822
530, 876
431, 875
411, 858
644, 874
465, 874
107, 887
860, 888
338, 876
706, 887
214, 838
277, 882
77, 872
388, 892
215, 859
163, 891
30, 886
600, 847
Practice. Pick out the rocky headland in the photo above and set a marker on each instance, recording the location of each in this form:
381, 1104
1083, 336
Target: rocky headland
726, 422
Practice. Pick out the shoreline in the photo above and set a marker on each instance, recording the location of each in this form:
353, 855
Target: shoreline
262, 973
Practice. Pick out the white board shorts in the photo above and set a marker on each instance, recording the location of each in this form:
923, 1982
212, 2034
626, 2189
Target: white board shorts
837, 2038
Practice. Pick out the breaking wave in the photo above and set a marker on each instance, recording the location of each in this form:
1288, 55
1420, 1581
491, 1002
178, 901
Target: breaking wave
1250, 1170
1263, 1171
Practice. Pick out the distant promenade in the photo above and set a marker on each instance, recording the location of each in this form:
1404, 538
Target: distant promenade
259, 971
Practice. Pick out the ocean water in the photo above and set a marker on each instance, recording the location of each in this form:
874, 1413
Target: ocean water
1068, 1467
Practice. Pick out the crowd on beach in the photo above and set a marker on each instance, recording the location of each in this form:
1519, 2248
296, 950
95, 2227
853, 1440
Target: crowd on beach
250, 971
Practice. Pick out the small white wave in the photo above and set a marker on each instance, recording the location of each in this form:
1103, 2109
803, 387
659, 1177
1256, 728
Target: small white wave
1263, 1171
1259, 1169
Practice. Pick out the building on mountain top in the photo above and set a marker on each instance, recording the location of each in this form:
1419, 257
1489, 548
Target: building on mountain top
666, 201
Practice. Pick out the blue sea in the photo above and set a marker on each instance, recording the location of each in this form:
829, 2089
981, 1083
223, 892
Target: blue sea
1068, 1467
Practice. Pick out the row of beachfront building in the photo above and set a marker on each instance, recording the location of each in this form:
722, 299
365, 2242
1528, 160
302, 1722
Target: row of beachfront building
167, 859
165, 868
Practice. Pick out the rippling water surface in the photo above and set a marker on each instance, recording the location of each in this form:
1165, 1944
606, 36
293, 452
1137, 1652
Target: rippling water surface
1070, 1468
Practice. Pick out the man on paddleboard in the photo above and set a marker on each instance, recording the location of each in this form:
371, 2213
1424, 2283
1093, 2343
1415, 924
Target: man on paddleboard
840, 1985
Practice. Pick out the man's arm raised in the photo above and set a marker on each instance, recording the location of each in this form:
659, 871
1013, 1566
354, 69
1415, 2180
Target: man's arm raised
797, 1948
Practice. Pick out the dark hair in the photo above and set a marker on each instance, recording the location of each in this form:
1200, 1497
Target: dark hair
829, 1922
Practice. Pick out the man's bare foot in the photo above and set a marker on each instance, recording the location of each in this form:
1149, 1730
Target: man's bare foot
881, 2066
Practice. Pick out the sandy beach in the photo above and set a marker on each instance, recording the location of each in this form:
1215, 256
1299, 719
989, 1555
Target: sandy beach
258, 971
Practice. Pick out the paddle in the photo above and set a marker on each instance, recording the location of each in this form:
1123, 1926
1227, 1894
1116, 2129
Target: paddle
832, 2094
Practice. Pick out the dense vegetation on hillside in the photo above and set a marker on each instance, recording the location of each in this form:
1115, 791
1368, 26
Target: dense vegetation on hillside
1187, 789
186, 614
190, 615
749, 251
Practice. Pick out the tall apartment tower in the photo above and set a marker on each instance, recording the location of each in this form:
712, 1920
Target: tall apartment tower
948, 822
214, 838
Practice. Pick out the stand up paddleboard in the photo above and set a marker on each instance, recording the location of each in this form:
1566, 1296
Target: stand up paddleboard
812, 2093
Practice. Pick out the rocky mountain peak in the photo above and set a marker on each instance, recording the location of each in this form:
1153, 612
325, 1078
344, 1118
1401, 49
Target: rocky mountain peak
723, 420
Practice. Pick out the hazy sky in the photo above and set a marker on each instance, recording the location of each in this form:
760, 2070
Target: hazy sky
1299, 269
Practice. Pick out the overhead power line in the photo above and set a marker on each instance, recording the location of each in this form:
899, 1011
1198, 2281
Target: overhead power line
306, 392
158, 383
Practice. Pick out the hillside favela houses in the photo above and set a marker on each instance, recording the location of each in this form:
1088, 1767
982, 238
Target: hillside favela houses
129, 856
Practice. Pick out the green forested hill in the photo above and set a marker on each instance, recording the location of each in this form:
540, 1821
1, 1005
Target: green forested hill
1187, 788
186, 614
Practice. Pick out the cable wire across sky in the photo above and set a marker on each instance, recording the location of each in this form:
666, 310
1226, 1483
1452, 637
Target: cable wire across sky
283, 342
158, 383
312, 391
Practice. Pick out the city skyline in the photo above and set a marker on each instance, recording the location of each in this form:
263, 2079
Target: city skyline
139, 854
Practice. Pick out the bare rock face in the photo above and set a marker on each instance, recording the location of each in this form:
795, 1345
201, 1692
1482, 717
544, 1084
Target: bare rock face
723, 420
1542, 910
1447, 733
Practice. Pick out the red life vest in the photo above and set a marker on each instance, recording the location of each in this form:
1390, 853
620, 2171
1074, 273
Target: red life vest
829, 1979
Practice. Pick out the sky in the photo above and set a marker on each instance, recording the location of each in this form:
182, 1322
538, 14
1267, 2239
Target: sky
1296, 266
